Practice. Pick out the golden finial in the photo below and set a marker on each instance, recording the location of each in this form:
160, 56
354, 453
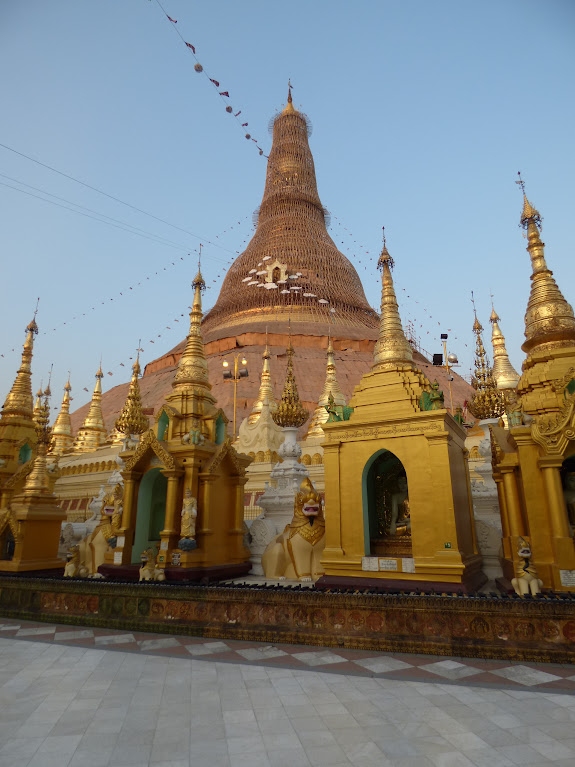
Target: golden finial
290, 411
289, 106
193, 367
529, 213
487, 402
38, 403
132, 419
392, 348
62, 439
549, 318
93, 432
331, 393
19, 401
505, 375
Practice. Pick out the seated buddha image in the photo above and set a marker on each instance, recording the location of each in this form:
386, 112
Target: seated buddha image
400, 521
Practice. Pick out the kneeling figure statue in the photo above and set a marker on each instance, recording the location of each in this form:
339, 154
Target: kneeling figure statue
526, 581
296, 553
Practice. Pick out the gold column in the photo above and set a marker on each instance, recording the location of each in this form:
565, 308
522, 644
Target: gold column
515, 517
129, 512
550, 466
173, 476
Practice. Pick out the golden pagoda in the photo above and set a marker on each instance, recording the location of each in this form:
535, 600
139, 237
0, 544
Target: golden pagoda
183, 484
487, 402
17, 428
33, 519
290, 412
397, 498
62, 438
533, 462
505, 375
132, 420
93, 433
291, 254
330, 389
266, 390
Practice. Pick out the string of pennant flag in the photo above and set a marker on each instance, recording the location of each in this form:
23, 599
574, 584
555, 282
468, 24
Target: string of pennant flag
216, 84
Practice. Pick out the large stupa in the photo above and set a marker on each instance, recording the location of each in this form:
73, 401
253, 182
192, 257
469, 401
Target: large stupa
290, 280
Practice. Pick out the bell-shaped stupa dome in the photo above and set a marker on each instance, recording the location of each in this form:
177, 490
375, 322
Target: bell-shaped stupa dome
291, 268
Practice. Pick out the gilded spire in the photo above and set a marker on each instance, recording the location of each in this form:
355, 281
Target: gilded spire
93, 433
266, 389
549, 317
192, 369
38, 405
330, 387
289, 107
19, 401
37, 481
505, 375
290, 411
487, 402
132, 419
392, 348
62, 438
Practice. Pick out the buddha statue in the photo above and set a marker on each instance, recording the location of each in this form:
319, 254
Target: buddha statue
400, 522
188, 522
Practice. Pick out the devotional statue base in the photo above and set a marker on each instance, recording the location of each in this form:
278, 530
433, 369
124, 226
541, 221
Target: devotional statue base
277, 501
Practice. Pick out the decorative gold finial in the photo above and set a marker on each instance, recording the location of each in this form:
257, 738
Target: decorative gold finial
290, 412
529, 213
193, 366
505, 375
19, 401
487, 402
331, 394
549, 319
266, 389
132, 419
289, 106
93, 432
392, 348
62, 439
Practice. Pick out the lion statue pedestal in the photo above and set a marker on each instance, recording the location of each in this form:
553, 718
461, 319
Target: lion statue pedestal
296, 553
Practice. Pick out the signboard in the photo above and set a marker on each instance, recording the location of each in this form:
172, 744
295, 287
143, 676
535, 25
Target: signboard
388, 564
369, 563
408, 565
567, 577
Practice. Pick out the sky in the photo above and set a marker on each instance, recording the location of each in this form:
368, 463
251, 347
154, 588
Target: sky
422, 115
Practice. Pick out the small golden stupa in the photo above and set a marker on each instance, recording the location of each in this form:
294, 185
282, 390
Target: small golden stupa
397, 498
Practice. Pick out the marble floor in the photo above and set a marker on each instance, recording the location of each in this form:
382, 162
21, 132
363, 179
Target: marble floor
70, 701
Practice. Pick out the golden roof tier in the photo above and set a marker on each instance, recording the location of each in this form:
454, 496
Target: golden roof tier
487, 402
290, 412
93, 432
266, 390
132, 419
330, 388
291, 267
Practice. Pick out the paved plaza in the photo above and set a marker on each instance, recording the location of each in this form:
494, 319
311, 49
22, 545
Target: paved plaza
79, 697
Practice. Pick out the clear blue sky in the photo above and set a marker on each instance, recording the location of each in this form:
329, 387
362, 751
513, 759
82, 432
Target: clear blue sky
423, 113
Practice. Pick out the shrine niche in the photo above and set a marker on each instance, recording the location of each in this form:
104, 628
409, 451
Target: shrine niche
387, 507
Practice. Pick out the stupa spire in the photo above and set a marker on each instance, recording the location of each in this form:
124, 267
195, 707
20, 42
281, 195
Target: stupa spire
291, 250
132, 419
392, 348
487, 402
290, 411
19, 401
38, 404
192, 369
266, 389
37, 481
330, 387
62, 439
93, 433
505, 375
549, 318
